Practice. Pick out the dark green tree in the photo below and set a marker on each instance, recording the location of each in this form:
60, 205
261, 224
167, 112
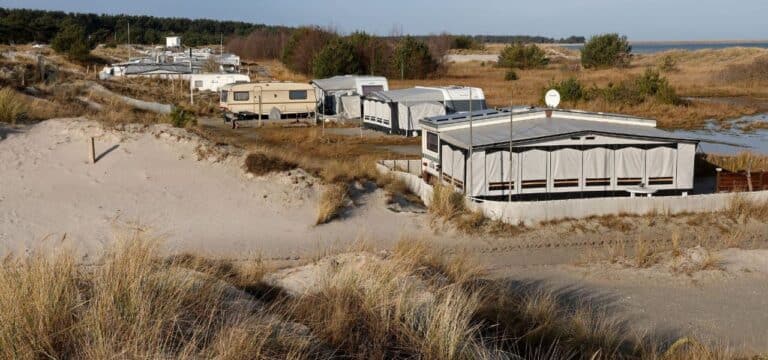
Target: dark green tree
337, 58
412, 59
607, 50
523, 57
72, 41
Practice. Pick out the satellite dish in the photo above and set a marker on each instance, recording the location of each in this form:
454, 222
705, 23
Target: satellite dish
552, 98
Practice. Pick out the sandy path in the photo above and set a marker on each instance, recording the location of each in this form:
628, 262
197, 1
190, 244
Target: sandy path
47, 189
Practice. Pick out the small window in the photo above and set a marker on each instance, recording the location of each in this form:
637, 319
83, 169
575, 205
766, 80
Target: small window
198, 83
575, 138
598, 181
661, 181
368, 89
432, 142
297, 94
533, 184
629, 181
590, 138
561, 183
241, 96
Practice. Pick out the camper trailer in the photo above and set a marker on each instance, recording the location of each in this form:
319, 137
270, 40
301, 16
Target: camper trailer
340, 95
214, 82
267, 100
399, 111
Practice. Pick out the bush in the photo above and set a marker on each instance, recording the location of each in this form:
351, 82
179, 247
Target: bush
464, 42
179, 117
261, 164
511, 75
412, 59
11, 107
337, 58
302, 46
667, 63
606, 50
332, 202
523, 57
651, 83
570, 89
72, 41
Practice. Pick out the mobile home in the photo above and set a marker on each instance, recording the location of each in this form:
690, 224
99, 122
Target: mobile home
400, 111
340, 95
267, 100
214, 82
555, 154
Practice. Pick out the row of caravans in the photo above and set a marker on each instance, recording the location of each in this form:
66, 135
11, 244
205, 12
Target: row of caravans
364, 97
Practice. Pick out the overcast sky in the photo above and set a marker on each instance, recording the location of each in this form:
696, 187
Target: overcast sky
638, 19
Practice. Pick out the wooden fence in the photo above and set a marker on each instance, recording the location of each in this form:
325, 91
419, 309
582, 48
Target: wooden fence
742, 181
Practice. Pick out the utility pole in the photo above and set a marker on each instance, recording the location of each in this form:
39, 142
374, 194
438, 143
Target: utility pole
468, 187
129, 41
509, 172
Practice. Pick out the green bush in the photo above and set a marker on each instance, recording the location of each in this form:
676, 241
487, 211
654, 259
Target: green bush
412, 59
72, 41
606, 50
464, 42
339, 57
179, 117
302, 46
667, 63
11, 107
623, 93
651, 83
523, 57
511, 75
570, 89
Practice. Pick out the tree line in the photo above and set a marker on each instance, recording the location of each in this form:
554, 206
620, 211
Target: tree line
19, 26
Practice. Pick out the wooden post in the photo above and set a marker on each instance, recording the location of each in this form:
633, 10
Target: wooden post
92, 150
749, 176
717, 180
260, 114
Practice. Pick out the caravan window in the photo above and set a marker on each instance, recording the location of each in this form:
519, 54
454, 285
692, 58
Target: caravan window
297, 94
367, 89
432, 141
241, 96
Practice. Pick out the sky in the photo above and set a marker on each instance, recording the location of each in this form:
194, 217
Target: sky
638, 19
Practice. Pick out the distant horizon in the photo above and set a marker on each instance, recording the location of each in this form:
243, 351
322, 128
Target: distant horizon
671, 22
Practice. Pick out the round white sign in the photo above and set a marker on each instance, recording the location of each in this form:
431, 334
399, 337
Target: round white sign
552, 98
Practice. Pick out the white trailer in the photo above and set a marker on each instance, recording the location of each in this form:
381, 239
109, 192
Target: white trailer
214, 82
400, 111
340, 95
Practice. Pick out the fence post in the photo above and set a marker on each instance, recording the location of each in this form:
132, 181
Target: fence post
717, 179
92, 150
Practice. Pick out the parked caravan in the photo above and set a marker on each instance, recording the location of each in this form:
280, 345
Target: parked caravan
214, 82
267, 100
400, 111
340, 95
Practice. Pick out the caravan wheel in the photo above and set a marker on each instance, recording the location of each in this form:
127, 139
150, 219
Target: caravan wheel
275, 114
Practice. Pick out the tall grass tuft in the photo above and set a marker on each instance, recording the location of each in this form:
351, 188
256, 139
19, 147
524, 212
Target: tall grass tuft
332, 202
11, 106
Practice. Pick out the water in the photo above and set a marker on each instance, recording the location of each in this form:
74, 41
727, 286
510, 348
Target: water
718, 140
651, 48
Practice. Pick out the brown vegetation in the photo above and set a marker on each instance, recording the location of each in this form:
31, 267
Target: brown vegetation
332, 202
261, 164
740, 162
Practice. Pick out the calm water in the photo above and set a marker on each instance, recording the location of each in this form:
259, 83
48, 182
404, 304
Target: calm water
733, 140
650, 48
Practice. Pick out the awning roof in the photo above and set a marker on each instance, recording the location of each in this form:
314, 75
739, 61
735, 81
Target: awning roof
409, 95
344, 82
544, 128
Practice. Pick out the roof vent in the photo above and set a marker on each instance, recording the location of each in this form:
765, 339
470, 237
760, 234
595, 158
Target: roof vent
548, 112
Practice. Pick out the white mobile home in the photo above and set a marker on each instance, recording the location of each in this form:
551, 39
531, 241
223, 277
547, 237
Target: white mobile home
400, 111
555, 153
214, 82
173, 41
340, 95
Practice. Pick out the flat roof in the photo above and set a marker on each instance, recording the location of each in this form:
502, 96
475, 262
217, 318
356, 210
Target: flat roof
343, 82
411, 95
546, 128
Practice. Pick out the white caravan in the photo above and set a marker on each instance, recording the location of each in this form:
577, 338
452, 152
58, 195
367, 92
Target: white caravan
340, 95
214, 82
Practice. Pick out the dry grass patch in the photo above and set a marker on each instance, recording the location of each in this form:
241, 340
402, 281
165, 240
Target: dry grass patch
332, 203
261, 164
741, 162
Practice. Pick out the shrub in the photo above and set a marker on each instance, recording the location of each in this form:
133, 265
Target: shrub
11, 107
261, 164
412, 59
570, 89
179, 117
667, 63
523, 57
606, 50
373, 53
622, 93
651, 83
337, 58
756, 71
464, 42
511, 75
